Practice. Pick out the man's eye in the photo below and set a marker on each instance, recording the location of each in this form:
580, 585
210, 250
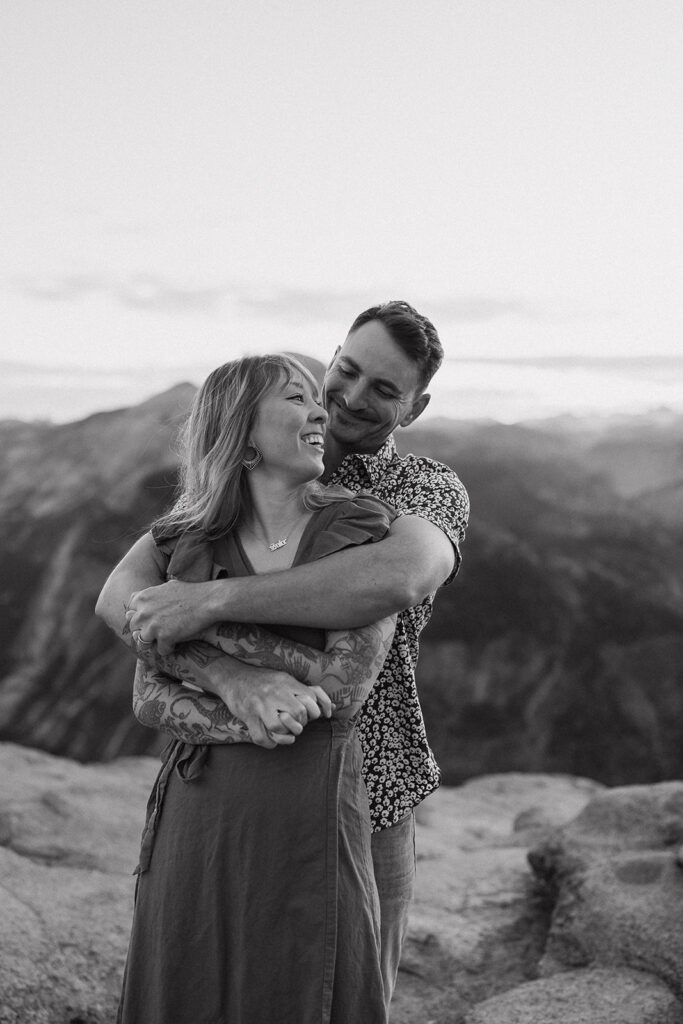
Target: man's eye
345, 372
385, 393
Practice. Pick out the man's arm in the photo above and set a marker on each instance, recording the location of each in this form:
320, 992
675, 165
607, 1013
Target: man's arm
345, 590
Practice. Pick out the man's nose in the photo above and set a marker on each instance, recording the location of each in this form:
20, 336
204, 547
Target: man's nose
354, 395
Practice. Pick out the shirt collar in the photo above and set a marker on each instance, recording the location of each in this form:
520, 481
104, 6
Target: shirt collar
375, 465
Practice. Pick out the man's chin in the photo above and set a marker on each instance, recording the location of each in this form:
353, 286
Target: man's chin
345, 433
349, 424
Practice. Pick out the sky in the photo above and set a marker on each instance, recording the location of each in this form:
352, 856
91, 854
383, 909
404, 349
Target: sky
182, 183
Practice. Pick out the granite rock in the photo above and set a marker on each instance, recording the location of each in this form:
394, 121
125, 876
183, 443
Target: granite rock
603, 996
615, 884
603, 897
68, 840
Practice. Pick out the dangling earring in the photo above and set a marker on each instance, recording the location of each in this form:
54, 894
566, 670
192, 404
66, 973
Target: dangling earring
251, 461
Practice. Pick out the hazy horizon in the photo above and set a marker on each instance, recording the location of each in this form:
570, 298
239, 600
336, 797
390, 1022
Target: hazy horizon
506, 389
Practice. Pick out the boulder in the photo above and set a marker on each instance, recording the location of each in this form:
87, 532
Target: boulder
615, 884
68, 841
603, 996
478, 925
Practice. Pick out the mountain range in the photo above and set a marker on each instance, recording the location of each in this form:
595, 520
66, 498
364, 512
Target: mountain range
558, 648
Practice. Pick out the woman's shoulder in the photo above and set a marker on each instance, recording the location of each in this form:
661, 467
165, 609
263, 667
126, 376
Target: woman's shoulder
346, 520
189, 553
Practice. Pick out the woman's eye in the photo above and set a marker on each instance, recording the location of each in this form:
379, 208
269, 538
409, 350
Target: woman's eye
298, 397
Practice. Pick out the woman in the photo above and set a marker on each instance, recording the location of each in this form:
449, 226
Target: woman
255, 900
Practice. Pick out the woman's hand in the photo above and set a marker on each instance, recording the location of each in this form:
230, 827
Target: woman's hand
346, 670
278, 706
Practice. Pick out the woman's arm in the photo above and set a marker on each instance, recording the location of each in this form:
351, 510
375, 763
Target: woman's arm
346, 670
160, 702
277, 705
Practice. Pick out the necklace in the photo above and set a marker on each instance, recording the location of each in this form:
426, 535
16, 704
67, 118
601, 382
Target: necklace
276, 544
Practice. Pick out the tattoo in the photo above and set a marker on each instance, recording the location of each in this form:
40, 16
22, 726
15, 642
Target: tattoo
179, 664
346, 671
345, 696
161, 702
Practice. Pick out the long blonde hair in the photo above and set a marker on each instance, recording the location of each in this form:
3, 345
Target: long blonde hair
212, 490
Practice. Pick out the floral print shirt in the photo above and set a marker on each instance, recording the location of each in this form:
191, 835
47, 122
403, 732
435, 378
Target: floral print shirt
399, 767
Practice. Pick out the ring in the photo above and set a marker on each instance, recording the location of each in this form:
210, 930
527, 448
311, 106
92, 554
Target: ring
137, 639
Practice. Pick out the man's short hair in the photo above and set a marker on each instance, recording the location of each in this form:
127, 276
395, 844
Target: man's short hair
412, 332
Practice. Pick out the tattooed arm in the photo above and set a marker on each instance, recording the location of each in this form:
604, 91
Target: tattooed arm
345, 670
193, 716
270, 703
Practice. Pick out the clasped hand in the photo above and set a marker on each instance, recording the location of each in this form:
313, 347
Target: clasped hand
276, 707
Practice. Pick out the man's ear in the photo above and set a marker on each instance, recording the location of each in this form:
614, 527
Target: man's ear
416, 409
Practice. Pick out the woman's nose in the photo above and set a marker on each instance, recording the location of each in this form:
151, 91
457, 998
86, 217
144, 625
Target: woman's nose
319, 414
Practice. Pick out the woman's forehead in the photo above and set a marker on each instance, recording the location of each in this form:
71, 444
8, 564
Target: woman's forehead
298, 376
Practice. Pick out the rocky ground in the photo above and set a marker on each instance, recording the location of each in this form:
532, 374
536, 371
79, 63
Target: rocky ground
540, 898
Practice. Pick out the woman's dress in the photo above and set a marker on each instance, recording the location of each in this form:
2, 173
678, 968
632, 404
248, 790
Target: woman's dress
256, 900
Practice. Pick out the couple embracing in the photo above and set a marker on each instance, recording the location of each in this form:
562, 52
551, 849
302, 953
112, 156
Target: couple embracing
275, 611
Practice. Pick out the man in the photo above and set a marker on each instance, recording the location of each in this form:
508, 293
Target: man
375, 384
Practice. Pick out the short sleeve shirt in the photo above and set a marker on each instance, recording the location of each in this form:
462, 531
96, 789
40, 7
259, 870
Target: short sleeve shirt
399, 767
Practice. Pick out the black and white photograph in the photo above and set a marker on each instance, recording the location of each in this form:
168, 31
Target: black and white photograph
341, 512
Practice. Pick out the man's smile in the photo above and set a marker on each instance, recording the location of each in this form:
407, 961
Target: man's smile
348, 414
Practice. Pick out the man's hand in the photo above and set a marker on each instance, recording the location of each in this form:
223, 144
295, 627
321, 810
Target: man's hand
276, 706
171, 612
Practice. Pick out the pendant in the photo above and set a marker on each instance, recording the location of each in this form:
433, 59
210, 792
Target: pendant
278, 544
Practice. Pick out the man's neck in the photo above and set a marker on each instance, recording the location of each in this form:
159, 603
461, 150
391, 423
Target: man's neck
335, 455
333, 458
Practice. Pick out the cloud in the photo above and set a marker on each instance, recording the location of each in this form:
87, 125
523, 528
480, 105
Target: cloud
300, 305
474, 308
142, 291
149, 292
60, 288
285, 305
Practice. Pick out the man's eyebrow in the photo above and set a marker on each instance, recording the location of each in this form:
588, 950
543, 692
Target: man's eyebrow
382, 381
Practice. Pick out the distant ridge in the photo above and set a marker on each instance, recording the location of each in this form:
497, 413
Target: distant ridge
558, 648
